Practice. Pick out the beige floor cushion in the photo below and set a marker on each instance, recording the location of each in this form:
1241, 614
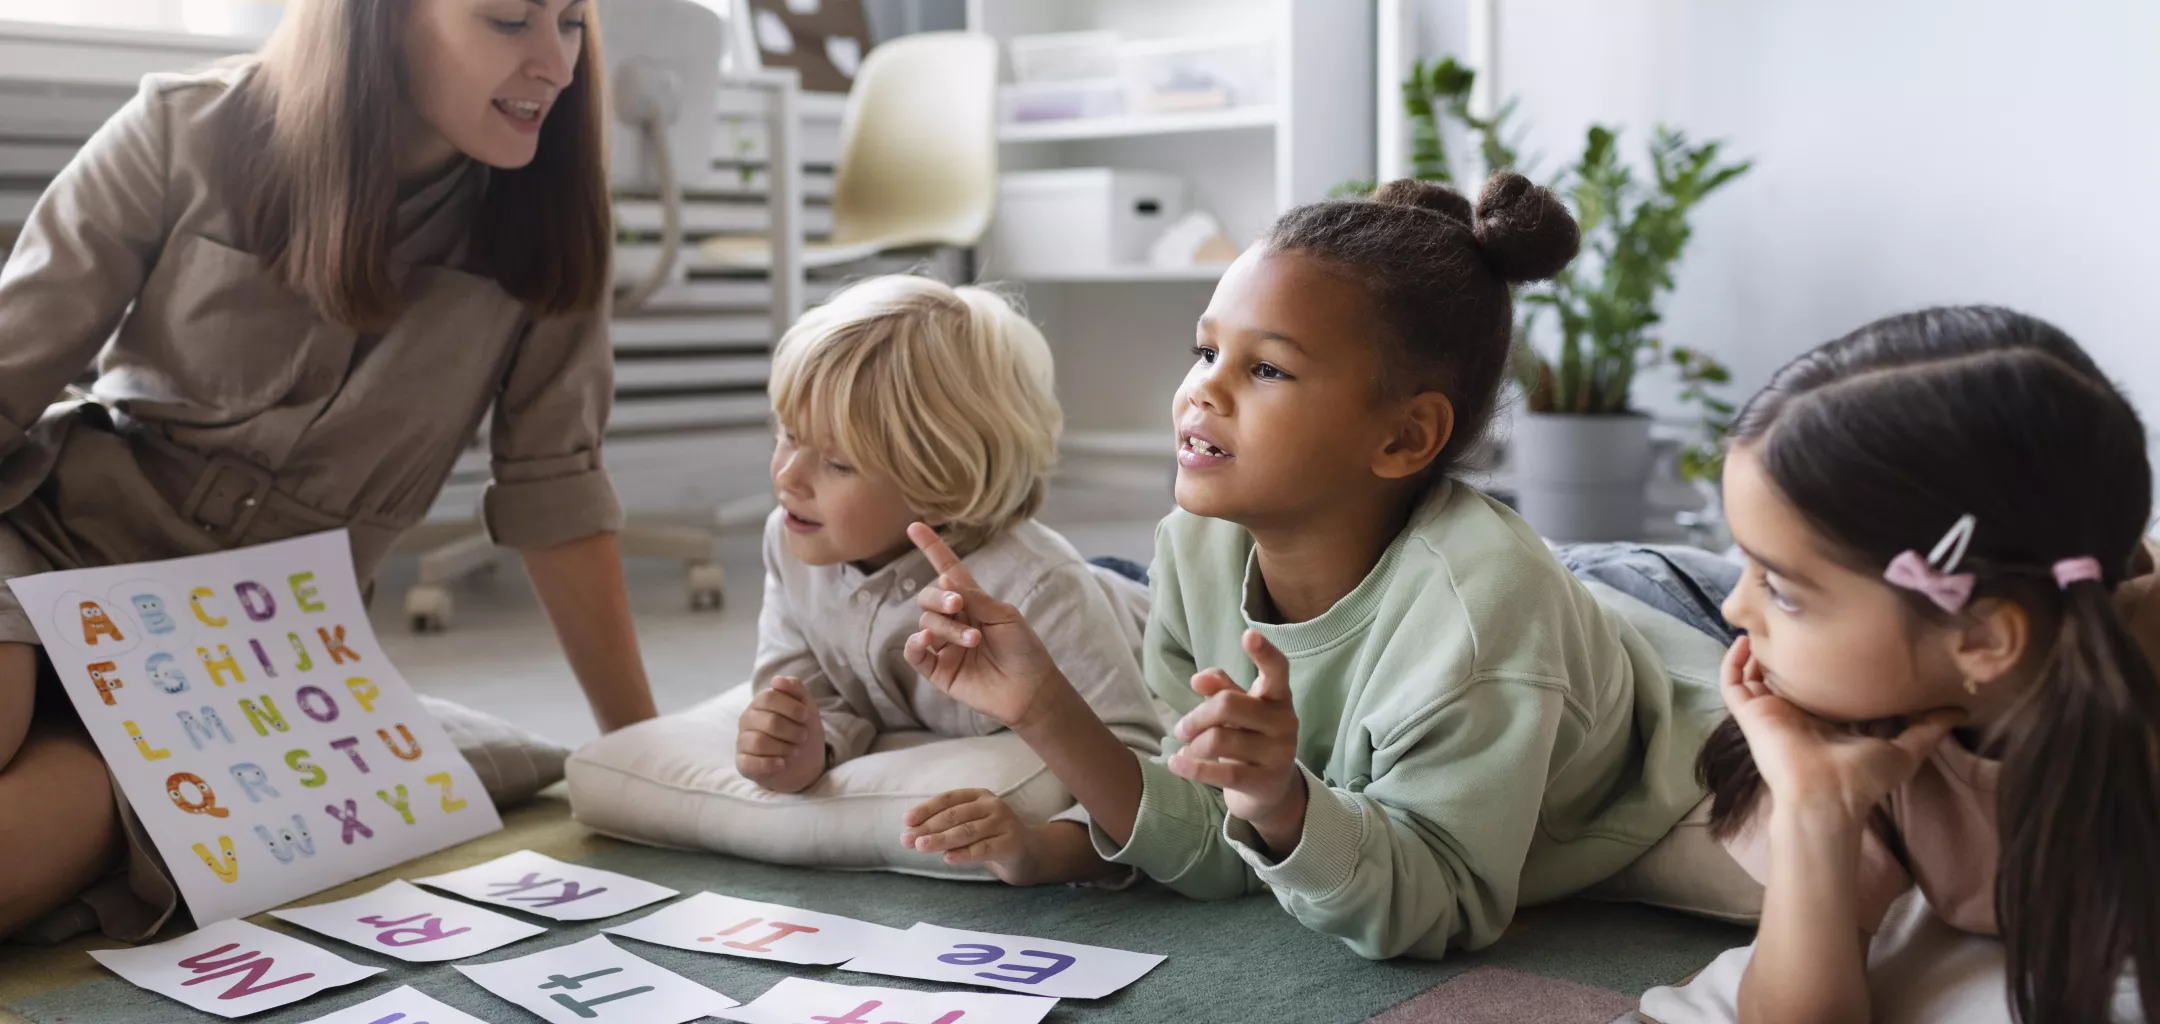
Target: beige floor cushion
672, 782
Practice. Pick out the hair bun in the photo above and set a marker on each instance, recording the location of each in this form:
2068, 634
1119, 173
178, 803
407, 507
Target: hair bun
1524, 232
1425, 195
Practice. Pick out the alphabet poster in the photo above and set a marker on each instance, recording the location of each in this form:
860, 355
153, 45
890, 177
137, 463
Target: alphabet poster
233, 968
241, 700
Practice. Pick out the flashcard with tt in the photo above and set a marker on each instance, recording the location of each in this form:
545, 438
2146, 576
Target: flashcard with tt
596, 981
233, 968
1016, 963
795, 1000
406, 1005
538, 884
711, 923
411, 923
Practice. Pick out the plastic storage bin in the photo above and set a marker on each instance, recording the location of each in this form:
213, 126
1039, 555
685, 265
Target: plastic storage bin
1023, 102
1089, 220
1065, 56
1172, 75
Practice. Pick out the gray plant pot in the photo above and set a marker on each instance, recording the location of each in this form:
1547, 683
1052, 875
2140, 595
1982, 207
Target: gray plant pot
1581, 478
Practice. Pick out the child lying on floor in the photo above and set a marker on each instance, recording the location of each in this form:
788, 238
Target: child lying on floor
903, 399
1401, 715
1947, 684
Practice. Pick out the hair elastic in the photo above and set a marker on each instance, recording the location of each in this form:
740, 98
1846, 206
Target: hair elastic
2078, 570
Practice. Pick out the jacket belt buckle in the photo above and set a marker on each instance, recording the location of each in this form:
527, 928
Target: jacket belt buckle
227, 496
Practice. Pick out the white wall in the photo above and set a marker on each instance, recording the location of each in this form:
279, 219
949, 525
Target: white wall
1908, 152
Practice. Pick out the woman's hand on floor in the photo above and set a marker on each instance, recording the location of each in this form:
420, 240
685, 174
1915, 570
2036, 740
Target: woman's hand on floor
974, 826
780, 742
975, 648
1244, 742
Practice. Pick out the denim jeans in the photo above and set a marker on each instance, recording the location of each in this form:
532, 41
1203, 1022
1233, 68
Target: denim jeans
1686, 583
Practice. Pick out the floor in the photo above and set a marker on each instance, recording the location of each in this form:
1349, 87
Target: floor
499, 655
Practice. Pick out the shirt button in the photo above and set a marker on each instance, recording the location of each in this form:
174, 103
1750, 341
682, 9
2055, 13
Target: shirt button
907, 586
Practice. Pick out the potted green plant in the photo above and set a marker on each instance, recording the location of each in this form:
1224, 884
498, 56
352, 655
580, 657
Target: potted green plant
1581, 452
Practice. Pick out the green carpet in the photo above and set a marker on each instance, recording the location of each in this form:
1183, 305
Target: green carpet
1239, 961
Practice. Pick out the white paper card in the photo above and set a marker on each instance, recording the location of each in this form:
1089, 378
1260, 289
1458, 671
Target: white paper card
411, 923
596, 982
538, 884
233, 968
406, 1005
711, 923
796, 1000
1016, 963
241, 700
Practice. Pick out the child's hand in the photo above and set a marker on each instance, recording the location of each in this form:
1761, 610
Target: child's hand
976, 649
973, 826
1244, 742
1817, 767
780, 743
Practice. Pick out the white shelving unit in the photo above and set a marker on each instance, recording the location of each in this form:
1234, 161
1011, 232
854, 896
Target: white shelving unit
1123, 334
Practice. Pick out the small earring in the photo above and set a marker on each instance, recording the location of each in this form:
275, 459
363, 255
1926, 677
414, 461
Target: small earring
1972, 686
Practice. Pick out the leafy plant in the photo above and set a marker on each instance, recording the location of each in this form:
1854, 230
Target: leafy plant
1606, 302
1443, 87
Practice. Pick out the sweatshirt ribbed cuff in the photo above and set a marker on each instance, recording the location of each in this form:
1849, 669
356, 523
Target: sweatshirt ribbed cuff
1327, 851
1169, 833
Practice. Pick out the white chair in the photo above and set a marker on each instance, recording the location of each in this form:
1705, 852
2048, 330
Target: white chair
918, 156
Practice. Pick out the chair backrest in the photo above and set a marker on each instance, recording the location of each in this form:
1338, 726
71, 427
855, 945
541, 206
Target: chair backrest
918, 143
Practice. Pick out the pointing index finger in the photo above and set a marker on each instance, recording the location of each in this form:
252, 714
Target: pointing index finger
1274, 681
941, 555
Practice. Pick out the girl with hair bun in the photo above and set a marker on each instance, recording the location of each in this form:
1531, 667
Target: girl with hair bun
1401, 715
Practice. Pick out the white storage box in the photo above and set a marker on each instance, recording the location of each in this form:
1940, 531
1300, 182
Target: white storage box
1064, 56
1170, 75
1083, 221
1023, 102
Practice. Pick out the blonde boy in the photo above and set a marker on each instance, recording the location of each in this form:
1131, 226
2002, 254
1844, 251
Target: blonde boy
905, 400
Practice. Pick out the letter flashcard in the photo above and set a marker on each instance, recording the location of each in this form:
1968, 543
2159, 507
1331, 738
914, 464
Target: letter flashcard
795, 1000
406, 1005
596, 981
1016, 963
233, 968
538, 884
410, 923
711, 923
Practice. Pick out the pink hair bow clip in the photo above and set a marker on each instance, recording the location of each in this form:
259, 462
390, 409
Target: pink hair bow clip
1936, 577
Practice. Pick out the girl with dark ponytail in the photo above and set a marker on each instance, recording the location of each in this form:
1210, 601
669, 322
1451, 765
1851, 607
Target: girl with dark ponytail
1943, 517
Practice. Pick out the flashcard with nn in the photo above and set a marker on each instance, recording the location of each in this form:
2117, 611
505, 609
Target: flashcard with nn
233, 968
538, 884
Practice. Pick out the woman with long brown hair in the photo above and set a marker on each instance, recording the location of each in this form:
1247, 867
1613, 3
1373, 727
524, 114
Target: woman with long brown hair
305, 278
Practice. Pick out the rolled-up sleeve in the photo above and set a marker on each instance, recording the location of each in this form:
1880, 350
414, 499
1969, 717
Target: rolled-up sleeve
549, 486
80, 260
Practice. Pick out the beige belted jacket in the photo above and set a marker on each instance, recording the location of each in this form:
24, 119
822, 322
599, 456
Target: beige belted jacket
227, 412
